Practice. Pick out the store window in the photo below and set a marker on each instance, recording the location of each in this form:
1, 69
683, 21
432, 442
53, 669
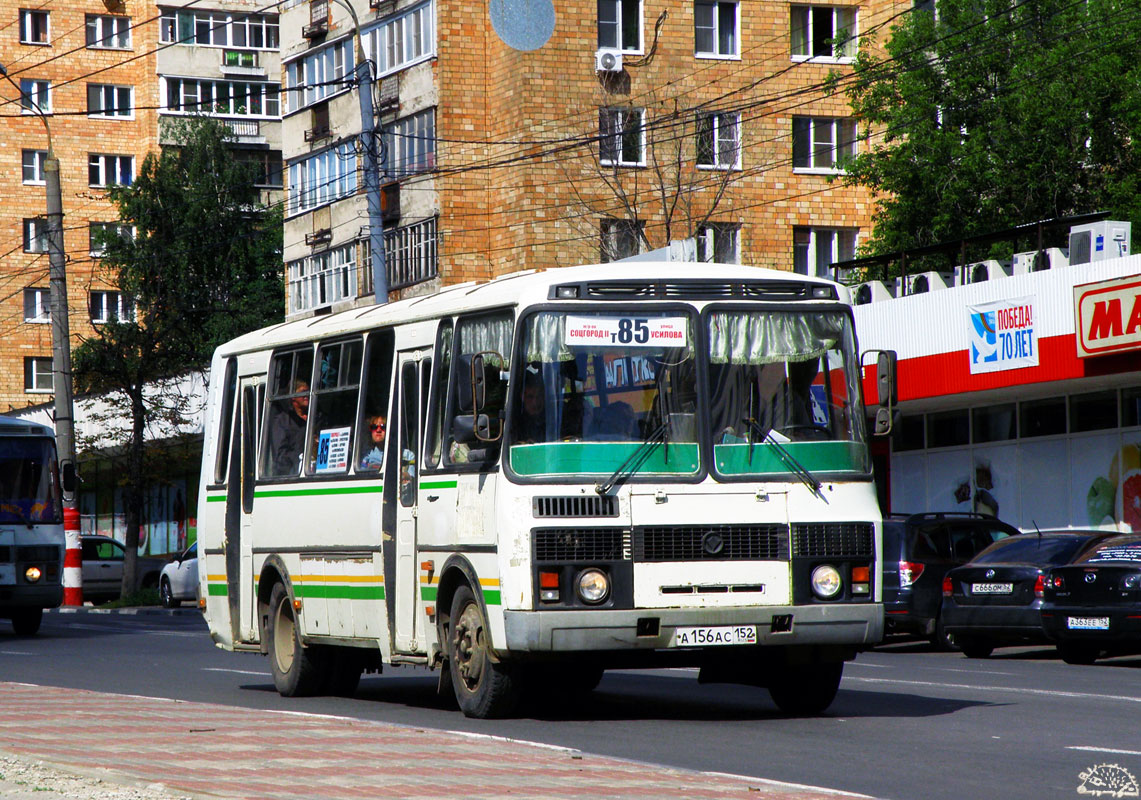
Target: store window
1043, 417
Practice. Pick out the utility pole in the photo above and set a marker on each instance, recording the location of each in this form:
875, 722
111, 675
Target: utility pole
61, 366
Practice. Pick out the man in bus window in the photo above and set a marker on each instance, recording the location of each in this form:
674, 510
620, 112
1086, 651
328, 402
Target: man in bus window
533, 420
287, 432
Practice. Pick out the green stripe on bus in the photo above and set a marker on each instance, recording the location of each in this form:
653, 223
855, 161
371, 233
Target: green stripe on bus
375, 488
745, 459
491, 597
330, 592
215, 498
428, 592
577, 458
216, 589
439, 484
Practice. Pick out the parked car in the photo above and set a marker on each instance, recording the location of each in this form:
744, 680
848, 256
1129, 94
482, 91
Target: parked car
179, 578
918, 550
103, 568
996, 599
1092, 607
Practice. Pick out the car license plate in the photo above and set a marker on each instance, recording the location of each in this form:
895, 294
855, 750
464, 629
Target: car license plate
1087, 623
714, 635
992, 588
7, 574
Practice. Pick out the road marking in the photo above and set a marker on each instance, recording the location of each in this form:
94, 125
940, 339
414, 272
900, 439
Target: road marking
784, 784
974, 671
1104, 750
15, 653
1013, 689
238, 671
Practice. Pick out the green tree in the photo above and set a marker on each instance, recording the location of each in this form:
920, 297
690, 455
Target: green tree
992, 113
203, 265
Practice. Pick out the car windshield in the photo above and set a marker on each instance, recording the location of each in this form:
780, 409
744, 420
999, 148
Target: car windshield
1119, 548
29, 491
1030, 548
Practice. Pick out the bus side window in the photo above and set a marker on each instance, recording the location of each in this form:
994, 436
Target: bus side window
334, 409
490, 335
226, 421
439, 395
287, 411
377, 384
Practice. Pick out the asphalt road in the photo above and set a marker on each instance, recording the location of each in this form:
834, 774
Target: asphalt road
907, 723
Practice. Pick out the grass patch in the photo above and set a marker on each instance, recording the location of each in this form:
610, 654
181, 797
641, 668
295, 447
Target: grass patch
141, 597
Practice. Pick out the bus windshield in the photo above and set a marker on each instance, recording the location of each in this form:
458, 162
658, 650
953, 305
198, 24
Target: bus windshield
600, 389
783, 388
29, 491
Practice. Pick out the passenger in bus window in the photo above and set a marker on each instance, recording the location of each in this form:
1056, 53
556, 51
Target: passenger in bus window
377, 429
287, 433
533, 420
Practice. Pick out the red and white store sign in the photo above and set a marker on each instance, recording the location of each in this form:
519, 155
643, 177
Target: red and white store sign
1107, 316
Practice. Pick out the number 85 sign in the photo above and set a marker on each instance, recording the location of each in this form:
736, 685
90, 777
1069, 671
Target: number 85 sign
628, 331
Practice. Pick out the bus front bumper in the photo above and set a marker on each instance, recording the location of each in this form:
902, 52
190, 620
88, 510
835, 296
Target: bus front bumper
654, 629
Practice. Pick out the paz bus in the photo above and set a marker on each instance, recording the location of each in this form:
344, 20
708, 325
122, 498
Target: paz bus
31, 524
582, 469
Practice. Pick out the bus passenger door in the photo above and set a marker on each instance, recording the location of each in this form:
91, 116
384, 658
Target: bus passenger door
405, 446
239, 511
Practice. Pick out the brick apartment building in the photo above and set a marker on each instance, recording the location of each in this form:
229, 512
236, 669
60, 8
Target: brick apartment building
635, 122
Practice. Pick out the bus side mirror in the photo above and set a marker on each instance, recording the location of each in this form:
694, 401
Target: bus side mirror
69, 479
886, 389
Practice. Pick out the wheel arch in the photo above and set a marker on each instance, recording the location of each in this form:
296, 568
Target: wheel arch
456, 572
273, 572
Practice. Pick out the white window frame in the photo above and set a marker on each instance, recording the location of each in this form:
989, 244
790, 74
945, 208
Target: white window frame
104, 163
33, 160
108, 32
716, 29
723, 134
322, 178
613, 231
410, 144
803, 17
815, 249
610, 30
125, 231
411, 253
38, 375
323, 278
36, 235
714, 236
111, 101
403, 39
28, 28
221, 29
318, 75
37, 305
614, 126
106, 305
35, 94
826, 144
218, 98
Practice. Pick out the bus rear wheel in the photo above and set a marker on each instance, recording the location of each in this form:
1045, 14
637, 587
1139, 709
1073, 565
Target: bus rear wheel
26, 621
484, 688
806, 689
297, 670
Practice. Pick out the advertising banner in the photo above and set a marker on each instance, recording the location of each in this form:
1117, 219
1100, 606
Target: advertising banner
1108, 316
1002, 335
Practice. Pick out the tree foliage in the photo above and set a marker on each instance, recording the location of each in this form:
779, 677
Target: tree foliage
992, 113
203, 265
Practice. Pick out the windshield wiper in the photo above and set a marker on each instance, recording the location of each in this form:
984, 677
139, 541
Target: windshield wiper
660, 435
795, 467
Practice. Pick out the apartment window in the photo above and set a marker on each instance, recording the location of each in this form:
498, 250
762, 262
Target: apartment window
827, 32
108, 306
33, 163
823, 144
38, 374
266, 165
621, 140
621, 238
323, 178
219, 29
98, 233
816, 249
37, 305
411, 144
719, 141
108, 32
720, 242
221, 98
105, 100
34, 27
35, 96
36, 235
411, 253
323, 278
402, 40
104, 170
715, 31
620, 25
318, 75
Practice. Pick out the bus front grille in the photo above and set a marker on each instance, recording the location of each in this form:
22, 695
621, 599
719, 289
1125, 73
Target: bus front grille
833, 539
578, 506
711, 543
581, 544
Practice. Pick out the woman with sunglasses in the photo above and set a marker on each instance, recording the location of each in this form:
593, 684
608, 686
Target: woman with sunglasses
374, 458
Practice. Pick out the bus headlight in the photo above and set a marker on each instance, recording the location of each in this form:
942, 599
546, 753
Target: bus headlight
593, 586
826, 583
33, 574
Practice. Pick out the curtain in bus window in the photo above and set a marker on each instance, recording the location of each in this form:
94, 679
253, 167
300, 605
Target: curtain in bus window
767, 338
546, 337
486, 334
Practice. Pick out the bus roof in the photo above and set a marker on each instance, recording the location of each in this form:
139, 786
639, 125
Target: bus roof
525, 287
14, 426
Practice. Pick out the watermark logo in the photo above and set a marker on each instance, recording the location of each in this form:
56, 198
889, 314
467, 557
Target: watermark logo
1108, 780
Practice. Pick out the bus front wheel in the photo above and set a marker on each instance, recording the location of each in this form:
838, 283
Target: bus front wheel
26, 621
484, 688
296, 669
806, 689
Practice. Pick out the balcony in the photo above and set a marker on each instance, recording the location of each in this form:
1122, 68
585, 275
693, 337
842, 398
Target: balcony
242, 62
246, 131
322, 236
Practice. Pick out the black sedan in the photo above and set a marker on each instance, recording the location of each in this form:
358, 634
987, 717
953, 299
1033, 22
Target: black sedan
1093, 606
995, 599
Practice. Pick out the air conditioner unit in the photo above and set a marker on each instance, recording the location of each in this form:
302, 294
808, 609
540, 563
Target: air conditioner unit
922, 282
607, 59
981, 271
871, 292
1099, 241
1039, 260
319, 237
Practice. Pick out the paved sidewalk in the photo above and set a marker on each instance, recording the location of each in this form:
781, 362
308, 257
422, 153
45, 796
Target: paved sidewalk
212, 751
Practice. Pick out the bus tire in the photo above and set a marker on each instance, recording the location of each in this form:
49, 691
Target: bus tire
806, 689
26, 621
484, 688
297, 670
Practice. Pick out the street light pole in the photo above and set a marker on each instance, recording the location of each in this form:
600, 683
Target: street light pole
61, 366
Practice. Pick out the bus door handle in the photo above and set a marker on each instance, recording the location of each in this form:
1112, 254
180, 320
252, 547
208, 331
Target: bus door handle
433, 498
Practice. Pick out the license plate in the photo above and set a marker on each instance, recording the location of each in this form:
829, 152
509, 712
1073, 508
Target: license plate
1087, 623
714, 635
7, 574
992, 588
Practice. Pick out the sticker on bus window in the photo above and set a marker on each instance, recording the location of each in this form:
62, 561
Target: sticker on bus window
333, 450
628, 331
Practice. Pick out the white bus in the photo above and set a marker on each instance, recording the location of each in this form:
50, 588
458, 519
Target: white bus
611, 466
31, 524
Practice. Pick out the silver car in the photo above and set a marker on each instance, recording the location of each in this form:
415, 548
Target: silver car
179, 579
103, 568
